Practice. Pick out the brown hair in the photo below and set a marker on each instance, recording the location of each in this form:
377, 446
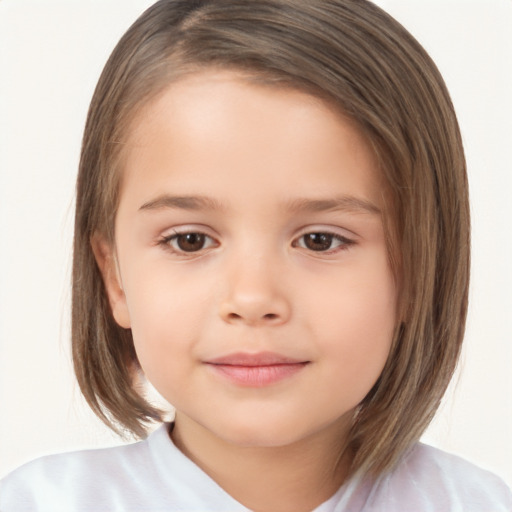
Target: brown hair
357, 57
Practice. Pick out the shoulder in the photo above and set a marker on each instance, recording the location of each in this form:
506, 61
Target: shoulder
151, 475
429, 479
82, 477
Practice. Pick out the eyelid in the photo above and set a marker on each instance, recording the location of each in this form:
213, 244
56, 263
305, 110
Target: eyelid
169, 235
185, 229
336, 231
346, 241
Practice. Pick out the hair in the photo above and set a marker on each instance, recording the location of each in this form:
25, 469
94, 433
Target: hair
362, 61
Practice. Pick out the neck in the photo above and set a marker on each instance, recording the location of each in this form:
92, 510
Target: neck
296, 477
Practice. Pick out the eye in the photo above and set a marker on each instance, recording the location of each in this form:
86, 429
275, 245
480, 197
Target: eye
188, 242
323, 242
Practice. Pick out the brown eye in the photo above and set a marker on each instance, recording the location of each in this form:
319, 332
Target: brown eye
189, 242
323, 242
318, 241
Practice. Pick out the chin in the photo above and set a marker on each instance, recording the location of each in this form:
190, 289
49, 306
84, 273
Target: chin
265, 433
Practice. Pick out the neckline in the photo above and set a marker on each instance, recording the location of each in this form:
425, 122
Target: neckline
177, 470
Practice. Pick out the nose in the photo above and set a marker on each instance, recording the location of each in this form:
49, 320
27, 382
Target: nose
255, 296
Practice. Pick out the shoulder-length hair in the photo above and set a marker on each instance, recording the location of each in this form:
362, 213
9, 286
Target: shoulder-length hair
363, 62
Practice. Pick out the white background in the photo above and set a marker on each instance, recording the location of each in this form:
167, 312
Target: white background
51, 54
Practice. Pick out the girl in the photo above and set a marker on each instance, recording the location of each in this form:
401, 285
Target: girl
272, 228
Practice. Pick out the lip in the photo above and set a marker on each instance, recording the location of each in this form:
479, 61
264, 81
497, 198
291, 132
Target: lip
256, 370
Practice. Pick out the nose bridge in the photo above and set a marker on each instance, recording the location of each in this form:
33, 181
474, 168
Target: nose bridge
254, 293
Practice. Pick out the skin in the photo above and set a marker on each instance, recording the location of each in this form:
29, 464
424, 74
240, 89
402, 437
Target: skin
269, 162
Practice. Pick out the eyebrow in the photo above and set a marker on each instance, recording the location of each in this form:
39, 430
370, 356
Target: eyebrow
183, 203
345, 203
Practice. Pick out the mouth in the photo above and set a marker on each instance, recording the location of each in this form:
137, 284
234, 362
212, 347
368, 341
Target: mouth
255, 370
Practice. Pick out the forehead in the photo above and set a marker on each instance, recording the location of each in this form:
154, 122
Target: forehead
201, 94
215, 126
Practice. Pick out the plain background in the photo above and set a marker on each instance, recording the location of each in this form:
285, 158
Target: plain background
51, 54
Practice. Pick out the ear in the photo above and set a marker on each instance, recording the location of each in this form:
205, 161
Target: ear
106, 259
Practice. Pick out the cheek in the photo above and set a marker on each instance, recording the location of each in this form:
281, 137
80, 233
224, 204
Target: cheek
358, 317
166, 317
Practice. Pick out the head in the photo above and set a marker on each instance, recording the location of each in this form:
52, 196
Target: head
363, 65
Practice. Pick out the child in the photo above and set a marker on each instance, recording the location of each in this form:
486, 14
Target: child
272, 227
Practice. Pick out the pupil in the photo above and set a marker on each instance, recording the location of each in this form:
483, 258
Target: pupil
191, 242
318, 241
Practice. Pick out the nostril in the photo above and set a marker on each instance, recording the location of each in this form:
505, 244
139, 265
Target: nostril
235, 316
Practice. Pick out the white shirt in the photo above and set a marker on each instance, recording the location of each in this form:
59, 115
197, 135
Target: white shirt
154, 476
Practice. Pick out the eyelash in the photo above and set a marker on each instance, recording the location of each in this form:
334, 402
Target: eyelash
168, 240
344, 243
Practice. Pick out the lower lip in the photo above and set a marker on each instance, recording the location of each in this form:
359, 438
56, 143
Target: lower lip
257, 376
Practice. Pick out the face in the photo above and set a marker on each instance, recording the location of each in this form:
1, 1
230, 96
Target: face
251, 259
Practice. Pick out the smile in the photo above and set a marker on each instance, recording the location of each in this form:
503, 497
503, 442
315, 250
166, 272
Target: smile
256, 370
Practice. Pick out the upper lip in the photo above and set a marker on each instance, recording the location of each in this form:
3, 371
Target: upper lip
256, 359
